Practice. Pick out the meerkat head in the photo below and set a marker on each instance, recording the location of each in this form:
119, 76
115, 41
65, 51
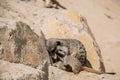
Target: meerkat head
52, 45
62, 51
72, 63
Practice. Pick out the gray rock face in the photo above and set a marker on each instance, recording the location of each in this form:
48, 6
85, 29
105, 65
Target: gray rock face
12, 71
22, 45
57, 74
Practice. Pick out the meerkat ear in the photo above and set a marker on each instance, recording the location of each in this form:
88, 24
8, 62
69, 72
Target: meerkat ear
58, 43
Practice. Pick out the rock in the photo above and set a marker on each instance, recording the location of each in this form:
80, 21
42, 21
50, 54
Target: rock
12, 71
69, 24
57, 74
21, 45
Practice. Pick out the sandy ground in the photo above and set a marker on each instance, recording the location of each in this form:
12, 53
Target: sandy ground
103, 18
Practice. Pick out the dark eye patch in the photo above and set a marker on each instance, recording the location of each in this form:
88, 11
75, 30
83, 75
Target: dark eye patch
60, 55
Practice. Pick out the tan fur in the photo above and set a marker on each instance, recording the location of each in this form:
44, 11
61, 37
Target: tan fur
74, 52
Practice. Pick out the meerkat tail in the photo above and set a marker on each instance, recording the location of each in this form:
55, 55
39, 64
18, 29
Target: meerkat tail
96, 71
91, 70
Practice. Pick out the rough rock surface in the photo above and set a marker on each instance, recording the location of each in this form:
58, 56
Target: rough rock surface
21, 45
12, 71
57, 74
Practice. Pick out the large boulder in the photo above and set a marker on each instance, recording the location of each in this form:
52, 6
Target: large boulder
20, 44
70, 24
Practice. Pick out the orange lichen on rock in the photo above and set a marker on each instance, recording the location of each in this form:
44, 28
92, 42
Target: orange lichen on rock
31, 59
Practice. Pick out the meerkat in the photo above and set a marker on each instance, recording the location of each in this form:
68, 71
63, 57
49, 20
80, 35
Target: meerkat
72, 64
69, 59
53, 43
76, 66
57, 53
